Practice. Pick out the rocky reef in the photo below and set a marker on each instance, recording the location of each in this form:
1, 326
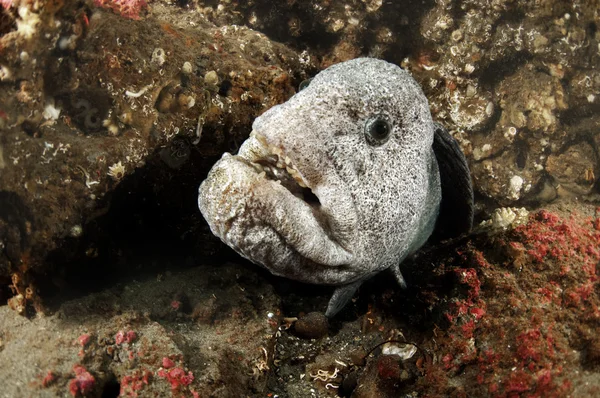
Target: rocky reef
91, 98
112, 112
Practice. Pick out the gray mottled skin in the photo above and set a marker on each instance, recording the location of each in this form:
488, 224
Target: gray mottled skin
377, 204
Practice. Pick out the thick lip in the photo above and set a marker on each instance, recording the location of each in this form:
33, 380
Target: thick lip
272, 162
313, 238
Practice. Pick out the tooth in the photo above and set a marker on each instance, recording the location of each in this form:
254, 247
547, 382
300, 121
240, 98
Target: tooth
288, 160
259, 138
291, 171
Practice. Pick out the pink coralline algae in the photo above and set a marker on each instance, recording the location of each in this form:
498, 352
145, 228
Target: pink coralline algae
122, 337
167, 363
49, 379
175, 304
521, 312
83, 383
132, 384
84, 339
177, 377
126, 8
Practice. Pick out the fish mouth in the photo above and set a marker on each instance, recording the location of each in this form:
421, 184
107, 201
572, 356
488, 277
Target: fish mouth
281, 169
259, 193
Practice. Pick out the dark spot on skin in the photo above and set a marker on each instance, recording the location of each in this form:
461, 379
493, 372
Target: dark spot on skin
352, 113
225, 88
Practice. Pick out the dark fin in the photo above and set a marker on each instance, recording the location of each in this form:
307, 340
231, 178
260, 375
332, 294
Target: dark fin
340, 298
396, 271
457, 207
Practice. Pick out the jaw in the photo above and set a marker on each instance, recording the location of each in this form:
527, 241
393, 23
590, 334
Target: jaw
259, 203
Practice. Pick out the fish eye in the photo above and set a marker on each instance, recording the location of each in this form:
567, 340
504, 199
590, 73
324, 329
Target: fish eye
377, 130
304, 84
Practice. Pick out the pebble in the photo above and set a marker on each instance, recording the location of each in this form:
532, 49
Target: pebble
211, 78
313, 325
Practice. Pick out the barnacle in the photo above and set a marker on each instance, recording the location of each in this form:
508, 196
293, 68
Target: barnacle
27, 23
116, 171
505, 218
51, 111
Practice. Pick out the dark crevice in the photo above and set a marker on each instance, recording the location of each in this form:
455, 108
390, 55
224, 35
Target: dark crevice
574, 115
7, 21
522, 150
499, 69
111, 388
15, 226
16, 213
273, 21
407, 37
591, 30
458, 11
310, 198
149, 224
298, 25
512, 17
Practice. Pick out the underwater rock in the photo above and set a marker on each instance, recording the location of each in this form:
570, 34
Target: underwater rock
133, 341
506, 313
313, 325
112, 103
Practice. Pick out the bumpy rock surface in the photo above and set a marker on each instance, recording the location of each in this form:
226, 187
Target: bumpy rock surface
92, 104
507, 312
110, 118
205, 332
516, 82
